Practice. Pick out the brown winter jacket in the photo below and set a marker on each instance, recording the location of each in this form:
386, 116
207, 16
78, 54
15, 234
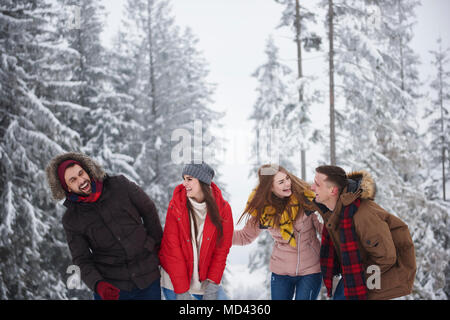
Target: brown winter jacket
115, 239
383, 239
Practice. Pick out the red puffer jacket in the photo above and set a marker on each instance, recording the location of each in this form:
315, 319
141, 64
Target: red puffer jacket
176, 254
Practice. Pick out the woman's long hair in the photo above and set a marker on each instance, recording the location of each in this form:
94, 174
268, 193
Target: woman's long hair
264, 197
212, 211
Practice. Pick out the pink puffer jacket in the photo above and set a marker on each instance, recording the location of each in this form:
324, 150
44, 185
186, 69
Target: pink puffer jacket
285, 259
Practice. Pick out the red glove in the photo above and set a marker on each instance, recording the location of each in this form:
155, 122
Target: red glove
107, 291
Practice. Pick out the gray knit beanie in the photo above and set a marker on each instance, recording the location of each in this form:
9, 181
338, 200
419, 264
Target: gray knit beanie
201, 171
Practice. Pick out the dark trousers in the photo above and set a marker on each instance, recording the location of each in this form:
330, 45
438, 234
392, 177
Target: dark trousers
152, 292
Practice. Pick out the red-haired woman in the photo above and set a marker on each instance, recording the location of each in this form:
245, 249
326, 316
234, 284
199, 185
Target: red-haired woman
282, 204
197, 238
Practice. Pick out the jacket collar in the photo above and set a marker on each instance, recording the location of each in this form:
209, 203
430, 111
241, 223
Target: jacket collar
105, 192
179, 201
360, 185
92, 167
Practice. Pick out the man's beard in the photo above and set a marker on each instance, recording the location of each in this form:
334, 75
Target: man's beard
84, 194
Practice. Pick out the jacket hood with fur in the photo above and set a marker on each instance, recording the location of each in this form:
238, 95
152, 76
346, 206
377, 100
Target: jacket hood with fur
360, 185
94, 170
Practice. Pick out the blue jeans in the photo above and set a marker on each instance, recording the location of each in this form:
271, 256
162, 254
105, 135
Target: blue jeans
305, 287
152, 292
339, 292
171, 295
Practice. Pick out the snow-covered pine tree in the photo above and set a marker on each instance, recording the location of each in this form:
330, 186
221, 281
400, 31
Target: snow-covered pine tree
169, 91
33, 254
123, 64
439, 126
437, 151
57, 88
275, 96
408, 157
282, 109
121, 126
378, 74
135, 55
299, 20
166, 77
105, 126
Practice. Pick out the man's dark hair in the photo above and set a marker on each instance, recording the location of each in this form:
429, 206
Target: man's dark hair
336, 175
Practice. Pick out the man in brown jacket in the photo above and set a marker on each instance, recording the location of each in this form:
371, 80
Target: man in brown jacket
370, 248
112, 228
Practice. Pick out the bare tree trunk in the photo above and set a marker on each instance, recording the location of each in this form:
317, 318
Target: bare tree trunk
152, 82
402, 65
443, 174
300, 75
150, 55
331, 67
441, 102
299, 46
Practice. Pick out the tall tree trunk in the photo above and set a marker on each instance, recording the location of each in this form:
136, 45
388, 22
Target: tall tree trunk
402, 65
331, 67
150, 55
299, 46
300, 75
152, 83
441, 102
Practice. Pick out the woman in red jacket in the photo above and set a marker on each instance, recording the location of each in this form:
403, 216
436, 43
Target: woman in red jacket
197, 237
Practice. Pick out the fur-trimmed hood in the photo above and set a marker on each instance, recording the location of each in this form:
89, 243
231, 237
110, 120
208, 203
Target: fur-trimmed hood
94, 170
360, 185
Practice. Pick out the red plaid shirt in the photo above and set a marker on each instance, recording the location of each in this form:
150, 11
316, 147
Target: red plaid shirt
352, 269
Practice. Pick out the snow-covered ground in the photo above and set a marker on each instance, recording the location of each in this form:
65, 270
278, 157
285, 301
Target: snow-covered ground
245, 285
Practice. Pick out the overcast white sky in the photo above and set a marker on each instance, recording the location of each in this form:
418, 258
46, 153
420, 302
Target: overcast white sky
232, 36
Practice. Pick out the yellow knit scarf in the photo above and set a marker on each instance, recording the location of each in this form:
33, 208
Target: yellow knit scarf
286, 224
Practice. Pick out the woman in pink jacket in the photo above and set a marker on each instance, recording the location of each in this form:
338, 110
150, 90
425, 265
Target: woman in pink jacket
282, 204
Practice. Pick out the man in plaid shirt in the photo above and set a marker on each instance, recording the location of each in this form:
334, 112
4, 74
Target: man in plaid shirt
370, 248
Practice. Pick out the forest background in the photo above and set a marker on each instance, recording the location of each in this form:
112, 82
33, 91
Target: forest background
246, 82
